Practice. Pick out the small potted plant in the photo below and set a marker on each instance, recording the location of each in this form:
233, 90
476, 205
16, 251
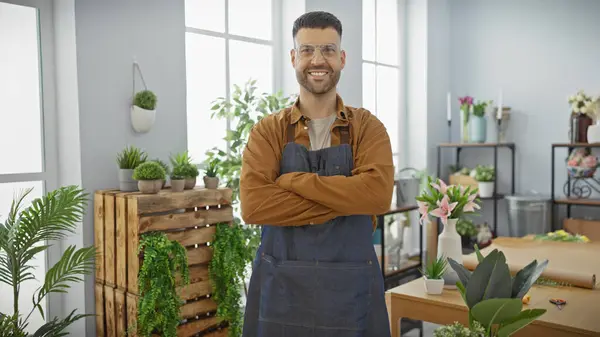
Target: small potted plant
211, 180
188, 170
127, 160
165, 167
178, 178
485, 176
143, 111
150, 176
433, 275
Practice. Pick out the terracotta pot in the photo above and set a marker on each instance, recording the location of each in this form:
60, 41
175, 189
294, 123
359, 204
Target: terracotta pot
190, 183
211, 182
149, 186
177, 185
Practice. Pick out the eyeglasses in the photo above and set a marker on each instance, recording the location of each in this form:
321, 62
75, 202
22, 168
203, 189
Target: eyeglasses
307, 51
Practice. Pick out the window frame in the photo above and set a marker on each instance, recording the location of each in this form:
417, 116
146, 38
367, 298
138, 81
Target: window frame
274, 43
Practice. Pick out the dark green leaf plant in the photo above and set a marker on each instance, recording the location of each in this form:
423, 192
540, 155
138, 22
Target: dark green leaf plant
28, 231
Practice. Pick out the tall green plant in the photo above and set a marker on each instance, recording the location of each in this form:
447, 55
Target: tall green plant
26, 233
131, 157
235, 245
159, 303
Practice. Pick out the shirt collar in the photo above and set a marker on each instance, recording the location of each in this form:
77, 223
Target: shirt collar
342, 114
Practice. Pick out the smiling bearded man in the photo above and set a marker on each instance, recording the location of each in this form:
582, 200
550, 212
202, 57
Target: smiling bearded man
314, 175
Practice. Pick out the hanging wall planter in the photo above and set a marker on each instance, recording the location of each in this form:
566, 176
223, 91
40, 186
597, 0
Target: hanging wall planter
143, 109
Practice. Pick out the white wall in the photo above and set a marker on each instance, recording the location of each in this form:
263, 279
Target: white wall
538, 52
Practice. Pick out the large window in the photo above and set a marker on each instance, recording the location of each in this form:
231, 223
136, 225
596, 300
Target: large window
27, 149
381, 66
228, 42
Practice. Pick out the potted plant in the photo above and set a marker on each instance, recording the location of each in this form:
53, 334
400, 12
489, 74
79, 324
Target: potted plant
178, 178
165, 167
478, 126
211, 180
28, 232
190, 171
143, 111
128, 159
467, 231
485, 176
150, 176
433, 275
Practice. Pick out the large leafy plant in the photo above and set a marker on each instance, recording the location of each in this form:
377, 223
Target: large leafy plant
236, 244
494, 297
26, 233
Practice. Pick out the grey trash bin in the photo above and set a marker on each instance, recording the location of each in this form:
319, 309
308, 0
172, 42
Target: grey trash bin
528, 214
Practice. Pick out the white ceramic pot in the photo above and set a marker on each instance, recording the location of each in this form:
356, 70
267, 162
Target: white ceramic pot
177, 185
190, 183
142, 120
126, 181
149, 186
486, 189
593, 133
434, 287
450, 246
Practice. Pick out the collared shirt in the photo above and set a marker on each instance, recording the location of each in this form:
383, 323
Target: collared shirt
300, 198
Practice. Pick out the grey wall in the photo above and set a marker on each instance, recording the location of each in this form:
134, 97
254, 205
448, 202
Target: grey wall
539, 52
350, 14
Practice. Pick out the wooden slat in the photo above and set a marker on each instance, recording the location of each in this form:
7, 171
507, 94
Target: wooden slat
198, 308
110, 240
133, 242
99, 235
199, 255
110, 311
192, 219
192, 237
166, 200
121, 312
218, 333
132, 311
195, 290
192, 328
121, 241
582, 202
198, 273
100, 316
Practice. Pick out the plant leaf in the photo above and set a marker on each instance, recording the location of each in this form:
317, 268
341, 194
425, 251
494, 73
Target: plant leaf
518, 322
478, 253
496, 311
526, 277
463, 273
462, 291
478, 284
499, 284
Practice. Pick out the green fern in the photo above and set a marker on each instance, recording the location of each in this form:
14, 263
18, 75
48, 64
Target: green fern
159, 303
23, 236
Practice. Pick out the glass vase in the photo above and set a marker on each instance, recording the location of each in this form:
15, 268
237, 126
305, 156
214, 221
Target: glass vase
464, 125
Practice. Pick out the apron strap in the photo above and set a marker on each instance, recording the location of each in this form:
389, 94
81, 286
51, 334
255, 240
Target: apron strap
291, 133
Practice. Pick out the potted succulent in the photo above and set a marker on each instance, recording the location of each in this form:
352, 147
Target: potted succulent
178, 178
143, 111
127, 160
485, 176
211, 180
433, 275
150, 176
188, 170
165, 167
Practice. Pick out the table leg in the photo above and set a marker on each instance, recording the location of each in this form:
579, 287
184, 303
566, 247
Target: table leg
393, 316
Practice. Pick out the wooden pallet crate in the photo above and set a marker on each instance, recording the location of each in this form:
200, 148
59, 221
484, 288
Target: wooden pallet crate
121, 218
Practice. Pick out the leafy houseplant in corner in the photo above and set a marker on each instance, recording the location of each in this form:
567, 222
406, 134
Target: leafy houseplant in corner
485, 176
143, 111
432, 275
26, 233
178, 178
448, 203
128, 160
150, 176
210, 177
478, 126
494, 297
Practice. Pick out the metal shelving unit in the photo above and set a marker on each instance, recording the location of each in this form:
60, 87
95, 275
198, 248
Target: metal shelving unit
495, 146
577, 190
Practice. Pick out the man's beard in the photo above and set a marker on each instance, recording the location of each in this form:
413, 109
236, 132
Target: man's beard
318, 89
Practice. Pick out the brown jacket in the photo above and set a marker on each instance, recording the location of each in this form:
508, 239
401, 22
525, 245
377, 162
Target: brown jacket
301, 198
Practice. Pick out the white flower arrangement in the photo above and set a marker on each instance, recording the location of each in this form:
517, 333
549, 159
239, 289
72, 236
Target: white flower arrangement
584, 104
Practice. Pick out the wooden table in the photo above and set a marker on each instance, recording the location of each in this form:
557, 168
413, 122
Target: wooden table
580, 317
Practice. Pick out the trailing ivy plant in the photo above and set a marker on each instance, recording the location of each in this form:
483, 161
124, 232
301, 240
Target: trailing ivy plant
235, 245
159, 303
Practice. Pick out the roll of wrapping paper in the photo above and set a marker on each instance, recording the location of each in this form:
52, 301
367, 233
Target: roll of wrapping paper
573, 263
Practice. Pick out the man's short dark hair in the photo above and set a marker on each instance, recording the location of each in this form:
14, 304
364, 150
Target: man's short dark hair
317, 19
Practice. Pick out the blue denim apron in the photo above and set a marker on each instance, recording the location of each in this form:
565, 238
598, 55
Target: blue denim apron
317, 280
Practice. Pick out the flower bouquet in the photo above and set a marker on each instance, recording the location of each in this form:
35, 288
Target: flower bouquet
563, 236
446, 202
466, 105
582, 163
583, 104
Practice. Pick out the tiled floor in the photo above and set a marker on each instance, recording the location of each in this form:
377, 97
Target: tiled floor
427, 331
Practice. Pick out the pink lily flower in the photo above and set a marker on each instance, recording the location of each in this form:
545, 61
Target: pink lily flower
442, 187
444, 209
471, 206
423, 209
